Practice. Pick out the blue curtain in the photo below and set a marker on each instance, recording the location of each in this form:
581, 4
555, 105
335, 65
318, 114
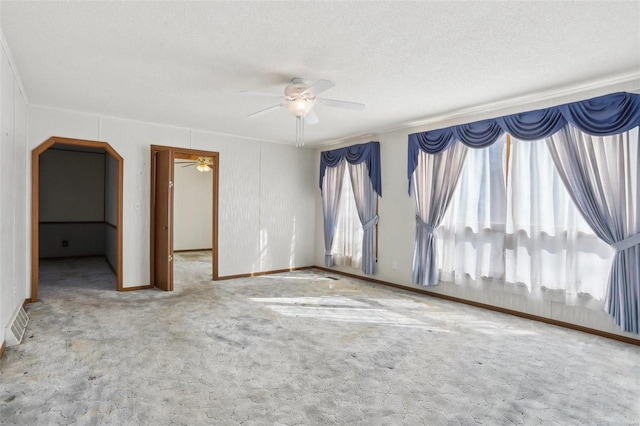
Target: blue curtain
607, 115
365, 192
436, 178
601, 116
367, 205
601, 175
355, 154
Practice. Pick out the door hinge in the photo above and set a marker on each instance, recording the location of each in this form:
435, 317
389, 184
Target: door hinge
170, 184
170, 258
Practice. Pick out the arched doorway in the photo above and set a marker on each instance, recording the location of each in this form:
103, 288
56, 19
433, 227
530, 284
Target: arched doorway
79, 145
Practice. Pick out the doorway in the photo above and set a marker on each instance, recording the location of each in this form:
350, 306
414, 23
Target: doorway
57, 227
163, 161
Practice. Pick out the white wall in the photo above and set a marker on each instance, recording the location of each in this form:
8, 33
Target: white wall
22, 223
256, 230
192, 208
13, 213
246, 208
287, 216
397, 231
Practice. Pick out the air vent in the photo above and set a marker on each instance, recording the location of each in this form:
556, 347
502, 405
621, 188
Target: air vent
17, 327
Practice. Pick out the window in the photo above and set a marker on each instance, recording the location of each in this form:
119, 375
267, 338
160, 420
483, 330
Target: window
511, 219
472, 233
549, 245
351, 198
593, 145
347, 242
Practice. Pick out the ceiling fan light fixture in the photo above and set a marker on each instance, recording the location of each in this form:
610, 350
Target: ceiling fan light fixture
300, 107
300, 98
203, 165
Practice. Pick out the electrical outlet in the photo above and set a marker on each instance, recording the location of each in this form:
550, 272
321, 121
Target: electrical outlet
394, 265
65, 243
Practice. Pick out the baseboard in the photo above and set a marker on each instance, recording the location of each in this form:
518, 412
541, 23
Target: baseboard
2, 348
525, 315
256, 274
140, 287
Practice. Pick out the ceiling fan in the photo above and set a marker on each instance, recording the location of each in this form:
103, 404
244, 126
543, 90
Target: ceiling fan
300, 98
203, 164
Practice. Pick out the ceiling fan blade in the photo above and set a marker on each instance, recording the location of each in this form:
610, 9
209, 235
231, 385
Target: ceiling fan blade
264, 111
189, 165
271, 95
342, 104
319, 87
311, 118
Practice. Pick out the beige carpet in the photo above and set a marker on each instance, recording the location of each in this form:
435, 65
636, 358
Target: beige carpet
298, 348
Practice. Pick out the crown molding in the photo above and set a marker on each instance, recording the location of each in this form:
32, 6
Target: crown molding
536, 100
629, 82
101, 117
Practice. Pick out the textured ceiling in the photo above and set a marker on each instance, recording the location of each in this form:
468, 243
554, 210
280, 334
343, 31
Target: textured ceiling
184, 63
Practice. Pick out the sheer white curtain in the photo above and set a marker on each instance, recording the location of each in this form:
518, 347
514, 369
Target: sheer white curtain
347, 240
471, 236
550, 249
332, 185
366, 201
523, 229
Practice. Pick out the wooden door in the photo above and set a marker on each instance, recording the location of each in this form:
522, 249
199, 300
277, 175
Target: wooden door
163, 223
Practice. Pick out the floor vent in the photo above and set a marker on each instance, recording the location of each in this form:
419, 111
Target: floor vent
17, 327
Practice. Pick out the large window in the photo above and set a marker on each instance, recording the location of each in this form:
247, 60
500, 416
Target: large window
511, 219
593, 146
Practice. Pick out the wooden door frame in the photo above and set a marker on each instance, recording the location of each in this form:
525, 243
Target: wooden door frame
178, 153
35, 204
162, 275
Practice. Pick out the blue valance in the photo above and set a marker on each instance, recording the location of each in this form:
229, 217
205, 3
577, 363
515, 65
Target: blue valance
601, 116
533, 125
355, 154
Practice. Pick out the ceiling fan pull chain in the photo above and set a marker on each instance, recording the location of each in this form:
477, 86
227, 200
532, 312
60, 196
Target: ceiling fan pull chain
299, 131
